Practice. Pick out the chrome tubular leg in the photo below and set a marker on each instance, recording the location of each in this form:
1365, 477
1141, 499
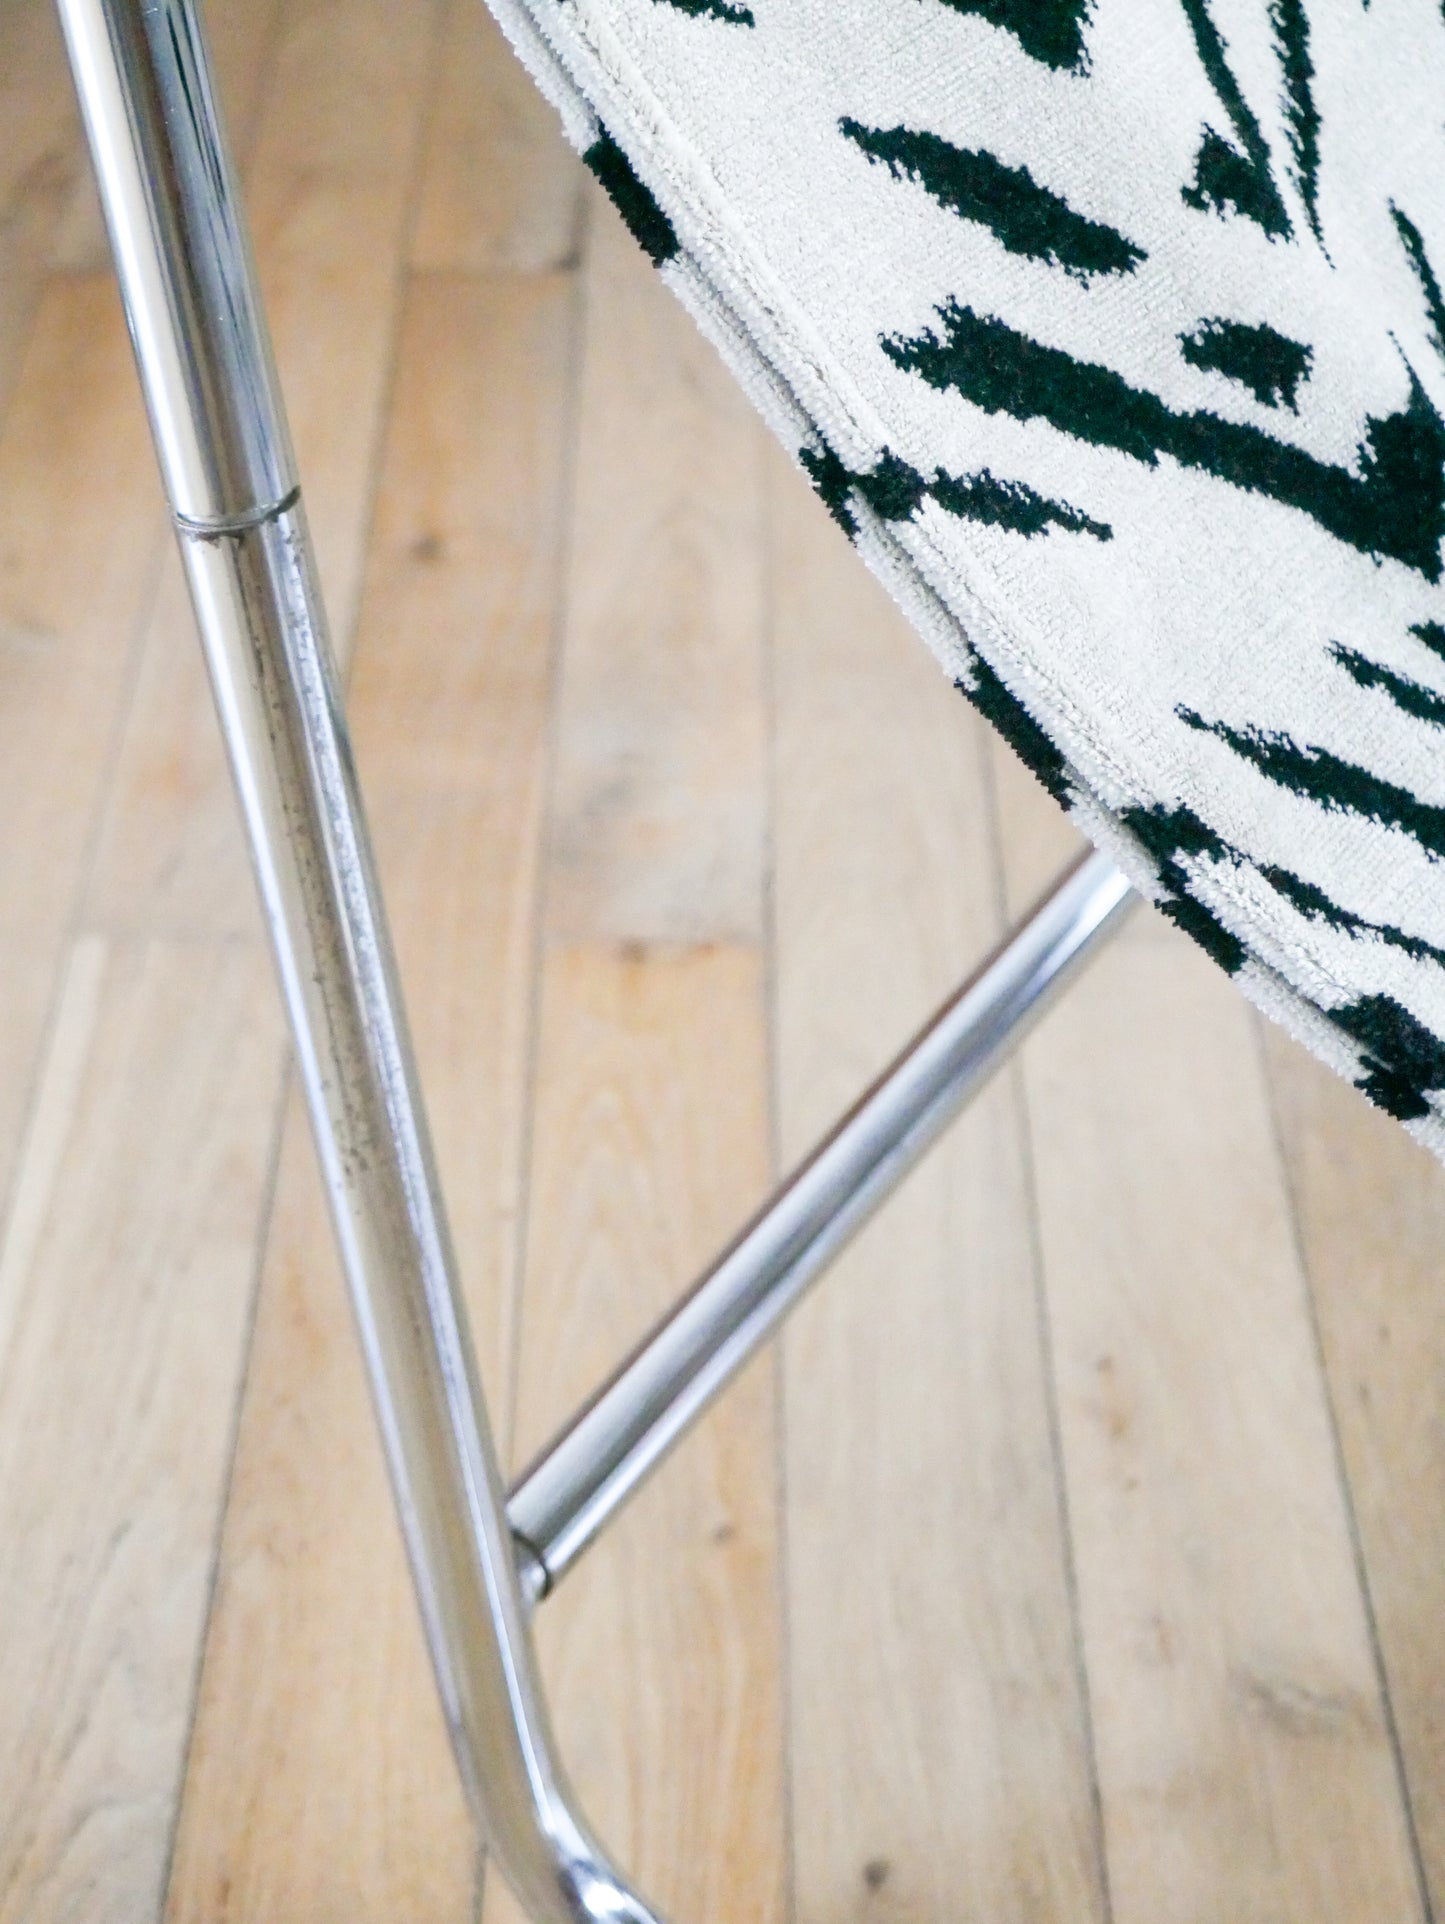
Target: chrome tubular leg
142, 71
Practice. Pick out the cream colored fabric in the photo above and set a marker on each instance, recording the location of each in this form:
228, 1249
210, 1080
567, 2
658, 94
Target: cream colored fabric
1112, 332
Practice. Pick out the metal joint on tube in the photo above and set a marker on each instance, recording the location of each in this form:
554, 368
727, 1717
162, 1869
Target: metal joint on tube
236, 524
173, 212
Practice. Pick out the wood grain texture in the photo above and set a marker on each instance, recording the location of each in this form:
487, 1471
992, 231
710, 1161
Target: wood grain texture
502, 190
659, 807
128, 1260
650, 1142
77, 564
81, 531
939, 1753
125, 1282
1244, 1764
451, 696
662, 1652
321, 1783
41, 161
1371, 1210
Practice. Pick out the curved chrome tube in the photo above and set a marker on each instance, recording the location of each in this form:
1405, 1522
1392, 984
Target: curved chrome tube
143, 74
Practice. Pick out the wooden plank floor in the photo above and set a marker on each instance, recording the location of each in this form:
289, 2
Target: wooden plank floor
1078, 1557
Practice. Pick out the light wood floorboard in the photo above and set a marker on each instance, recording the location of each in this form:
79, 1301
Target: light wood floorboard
1244, 1763
1076, 1557
1370, 1209
925, 1534
41, 166
651, 1132
122, 1347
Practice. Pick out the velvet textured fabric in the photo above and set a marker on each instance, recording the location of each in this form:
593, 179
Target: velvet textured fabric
1112, 333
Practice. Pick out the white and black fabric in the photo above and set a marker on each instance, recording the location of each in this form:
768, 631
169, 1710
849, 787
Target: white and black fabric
1113, 334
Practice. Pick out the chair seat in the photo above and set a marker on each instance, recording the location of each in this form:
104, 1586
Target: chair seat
1112, 332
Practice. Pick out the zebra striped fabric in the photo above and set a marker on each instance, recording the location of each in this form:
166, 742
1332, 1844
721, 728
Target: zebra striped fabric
1112, 333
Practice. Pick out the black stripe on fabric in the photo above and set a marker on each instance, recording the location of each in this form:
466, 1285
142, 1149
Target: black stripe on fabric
1394, 506
1318, 775
736, 16
999, 706
1225, 177
1051, 31
1410, 697
1413, 243
645, 220
1024, 217
1169, 835
1259, 357
1402, 1059
1292, 35
895, 491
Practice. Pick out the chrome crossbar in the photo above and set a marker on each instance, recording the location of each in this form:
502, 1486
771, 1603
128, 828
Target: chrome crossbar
588, 1472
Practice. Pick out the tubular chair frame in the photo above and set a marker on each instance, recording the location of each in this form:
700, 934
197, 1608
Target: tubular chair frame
481, 1558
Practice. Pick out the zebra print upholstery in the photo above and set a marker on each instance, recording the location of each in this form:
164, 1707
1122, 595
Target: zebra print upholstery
1112, 333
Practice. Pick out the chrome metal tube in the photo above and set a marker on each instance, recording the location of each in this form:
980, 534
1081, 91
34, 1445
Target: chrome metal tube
580, 1480
182, 255
143, 75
